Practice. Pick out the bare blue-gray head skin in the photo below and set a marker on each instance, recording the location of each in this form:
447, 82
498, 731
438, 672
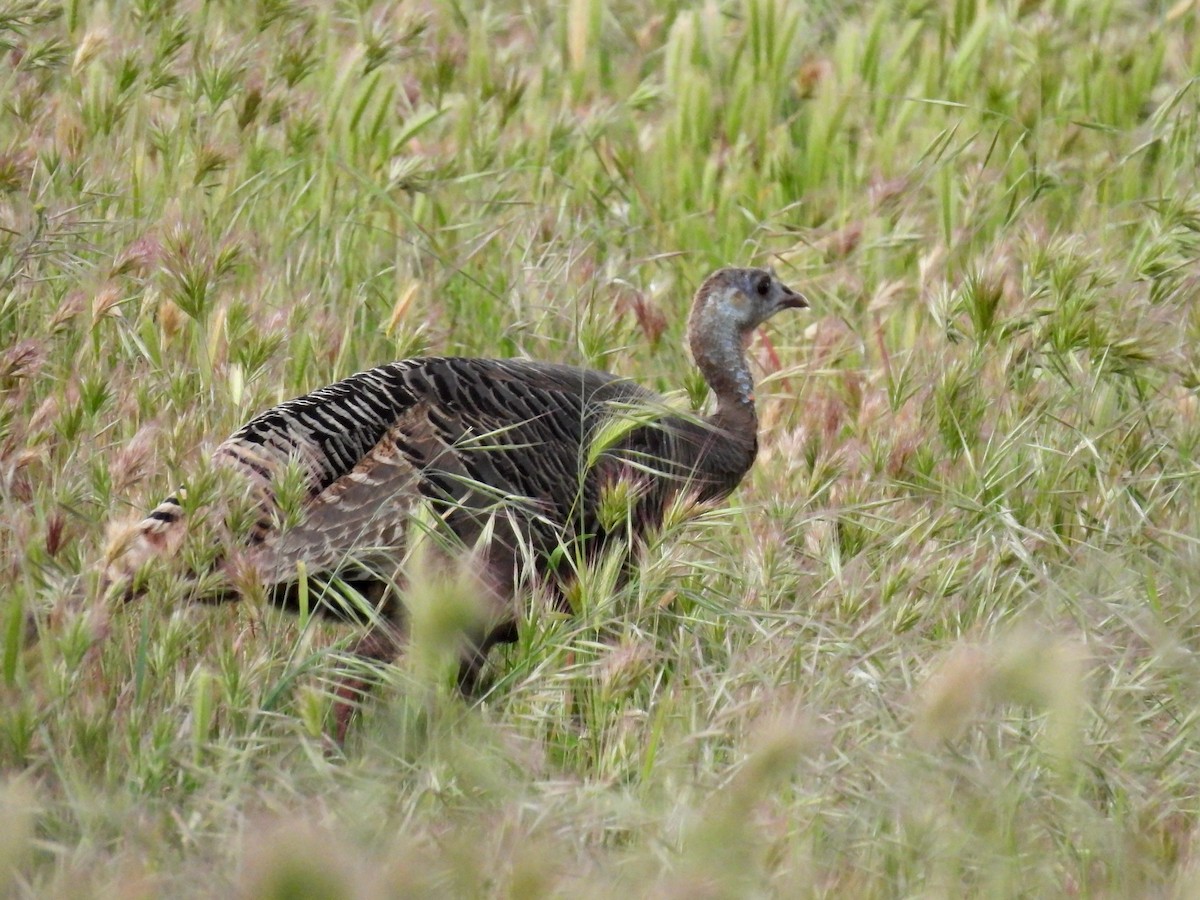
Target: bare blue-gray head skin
729, 305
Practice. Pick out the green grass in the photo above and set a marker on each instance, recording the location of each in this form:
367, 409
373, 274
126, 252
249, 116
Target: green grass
944, 640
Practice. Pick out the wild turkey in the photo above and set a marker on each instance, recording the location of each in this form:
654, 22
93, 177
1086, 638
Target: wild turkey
474, 442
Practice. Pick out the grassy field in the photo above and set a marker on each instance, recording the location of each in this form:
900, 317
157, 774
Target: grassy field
942, 642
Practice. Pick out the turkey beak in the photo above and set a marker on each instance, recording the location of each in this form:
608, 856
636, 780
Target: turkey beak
792, 299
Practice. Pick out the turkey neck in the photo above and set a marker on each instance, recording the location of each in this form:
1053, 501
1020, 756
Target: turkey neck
718, 354
728, 376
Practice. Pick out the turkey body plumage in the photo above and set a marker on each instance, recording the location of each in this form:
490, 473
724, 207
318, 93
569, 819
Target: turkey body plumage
472, 440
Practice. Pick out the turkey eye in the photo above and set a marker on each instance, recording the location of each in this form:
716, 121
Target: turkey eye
764, 286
